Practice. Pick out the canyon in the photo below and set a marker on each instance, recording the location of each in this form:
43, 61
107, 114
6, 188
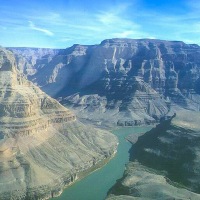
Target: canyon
164, 162
43, 147
120, 81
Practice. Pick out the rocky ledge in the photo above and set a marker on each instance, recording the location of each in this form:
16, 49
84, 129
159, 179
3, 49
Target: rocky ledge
134, 103
123, 81
43, 147
164, 162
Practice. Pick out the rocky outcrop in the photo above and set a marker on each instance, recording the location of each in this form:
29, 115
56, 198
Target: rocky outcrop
165, 161
30, 60
162, 64
119, 70
133, 103
43, 148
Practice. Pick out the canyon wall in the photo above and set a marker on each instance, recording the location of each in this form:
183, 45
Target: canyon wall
43, 147
131, 81
164, 162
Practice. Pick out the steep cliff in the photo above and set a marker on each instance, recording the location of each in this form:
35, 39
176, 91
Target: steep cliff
30, 60
165, 161
123, 71
133, 103
42, 146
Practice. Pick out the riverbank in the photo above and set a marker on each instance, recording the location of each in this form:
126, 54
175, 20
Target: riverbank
164, 162
98, 182
82, 175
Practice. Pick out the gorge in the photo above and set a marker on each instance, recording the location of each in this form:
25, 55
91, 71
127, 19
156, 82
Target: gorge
44, 146
120, 81
164, 162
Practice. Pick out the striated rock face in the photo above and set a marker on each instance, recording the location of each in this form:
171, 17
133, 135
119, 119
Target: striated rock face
165, 161
51, 69
134, 103
162, 64
42, 146
117, 70
30, 60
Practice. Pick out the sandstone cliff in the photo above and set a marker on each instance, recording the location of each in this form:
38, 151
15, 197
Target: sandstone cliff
42, 146
118, 72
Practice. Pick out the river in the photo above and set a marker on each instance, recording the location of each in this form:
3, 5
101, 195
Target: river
96, 185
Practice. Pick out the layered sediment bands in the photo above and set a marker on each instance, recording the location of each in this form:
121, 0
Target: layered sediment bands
165, 161
42, 146
135, 103
118, 71
164, 65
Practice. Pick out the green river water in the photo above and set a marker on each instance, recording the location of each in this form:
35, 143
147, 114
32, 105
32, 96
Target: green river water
96, 185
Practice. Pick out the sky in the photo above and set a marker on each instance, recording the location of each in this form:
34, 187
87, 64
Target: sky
62, 23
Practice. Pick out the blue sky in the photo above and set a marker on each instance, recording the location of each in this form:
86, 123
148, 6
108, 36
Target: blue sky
62, 23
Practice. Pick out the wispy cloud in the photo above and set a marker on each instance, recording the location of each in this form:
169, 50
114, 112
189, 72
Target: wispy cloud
183, 25
90, 28
65, 39
45, 31
70, 26
124, 34
92, 24
116, 25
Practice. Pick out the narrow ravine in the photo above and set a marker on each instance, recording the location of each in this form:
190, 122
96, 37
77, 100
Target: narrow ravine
96, 185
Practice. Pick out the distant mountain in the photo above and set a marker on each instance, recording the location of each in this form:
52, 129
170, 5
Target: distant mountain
30, 59
43, 147
122, 81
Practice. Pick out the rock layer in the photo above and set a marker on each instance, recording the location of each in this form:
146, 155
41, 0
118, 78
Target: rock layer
118, 72
42, 146
133, 104
165, 65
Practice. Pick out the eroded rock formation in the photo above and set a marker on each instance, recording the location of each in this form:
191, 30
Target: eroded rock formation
120, 70
42, 146
164, 162
134, 103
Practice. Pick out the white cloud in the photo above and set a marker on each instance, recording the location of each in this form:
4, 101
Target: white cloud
116, 24
129, 18
124, 34
107, 18
45, 31
65, 39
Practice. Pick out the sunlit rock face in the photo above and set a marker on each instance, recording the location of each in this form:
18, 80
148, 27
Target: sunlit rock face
118, 70
42, 146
